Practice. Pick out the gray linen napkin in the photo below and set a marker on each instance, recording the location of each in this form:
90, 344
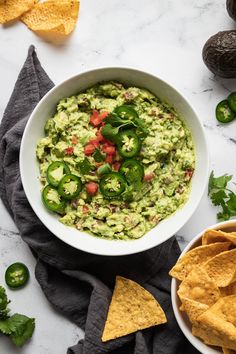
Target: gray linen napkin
77, 283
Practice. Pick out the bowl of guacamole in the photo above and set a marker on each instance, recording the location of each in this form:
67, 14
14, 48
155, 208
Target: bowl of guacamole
118, 161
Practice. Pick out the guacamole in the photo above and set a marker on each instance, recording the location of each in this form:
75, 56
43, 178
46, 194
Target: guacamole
115, 161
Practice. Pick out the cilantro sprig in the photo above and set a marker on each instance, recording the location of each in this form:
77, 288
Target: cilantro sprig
18, 328
222, 196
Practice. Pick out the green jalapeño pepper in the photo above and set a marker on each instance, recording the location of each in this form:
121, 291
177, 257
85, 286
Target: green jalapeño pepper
128, 143
56, 170
224, 114
52, 199
133, 170
17, 275
232, 101
126, 111
112, 184
70, 186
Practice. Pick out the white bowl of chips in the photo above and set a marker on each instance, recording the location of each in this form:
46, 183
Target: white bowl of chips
203, 290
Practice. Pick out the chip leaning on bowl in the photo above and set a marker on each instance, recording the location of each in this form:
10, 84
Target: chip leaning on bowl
131, 154
207, 289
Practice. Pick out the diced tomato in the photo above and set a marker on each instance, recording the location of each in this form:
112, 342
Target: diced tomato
108, 142
103, 115
85, 209
109, 150
94, 142
188, 174
74, 140
89, 149
95, 120
116, 166
102, 124
100, 137
109, 159
149, 176
69, 150
91, 188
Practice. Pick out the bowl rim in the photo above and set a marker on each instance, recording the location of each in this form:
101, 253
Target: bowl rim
126, 250
195, 341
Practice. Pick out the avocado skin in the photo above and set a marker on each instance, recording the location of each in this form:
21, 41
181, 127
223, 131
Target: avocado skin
231, 8
219, 54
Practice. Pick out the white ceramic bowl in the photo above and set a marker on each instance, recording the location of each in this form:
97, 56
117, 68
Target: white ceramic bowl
35, 130
181, 317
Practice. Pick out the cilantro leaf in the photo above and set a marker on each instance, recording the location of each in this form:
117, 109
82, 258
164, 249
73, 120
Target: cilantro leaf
24, 328
3, 299
6, 326
221, 196
217, 197
218, 182
85, 166
98, 156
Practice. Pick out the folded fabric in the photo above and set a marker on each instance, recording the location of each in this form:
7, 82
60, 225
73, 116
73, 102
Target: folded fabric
77, 283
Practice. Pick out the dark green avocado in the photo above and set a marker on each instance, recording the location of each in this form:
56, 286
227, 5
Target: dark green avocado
231, 8
219, 54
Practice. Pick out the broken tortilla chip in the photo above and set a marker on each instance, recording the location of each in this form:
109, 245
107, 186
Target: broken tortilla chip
132, 308
53, 16
228, 351
212, 236
12, 9
222, 268
198, 286
193, 308
228, 290
217, 325
196, 257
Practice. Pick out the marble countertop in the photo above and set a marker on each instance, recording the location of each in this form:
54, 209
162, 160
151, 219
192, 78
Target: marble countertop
163, 37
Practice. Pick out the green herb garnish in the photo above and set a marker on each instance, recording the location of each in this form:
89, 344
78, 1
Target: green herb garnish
222, 196
98, 156
18, 328
85, 166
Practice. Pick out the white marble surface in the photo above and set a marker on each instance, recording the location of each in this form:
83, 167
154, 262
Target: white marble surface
163, 37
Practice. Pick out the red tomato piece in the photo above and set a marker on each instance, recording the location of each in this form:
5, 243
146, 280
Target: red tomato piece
149, 176
85, 209
69, 150
100, 137
95, 120
116, 166
74, 140
89, 149
103, 115
109, 150
94, 142
109, 159
91, 188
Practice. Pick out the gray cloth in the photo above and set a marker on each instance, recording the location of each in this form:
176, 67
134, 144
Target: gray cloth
77, 283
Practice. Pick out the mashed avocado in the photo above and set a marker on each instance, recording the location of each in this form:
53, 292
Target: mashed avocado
73, 136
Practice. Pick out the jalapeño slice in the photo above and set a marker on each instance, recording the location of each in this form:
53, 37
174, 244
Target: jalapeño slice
133, 170
126, 111
70, 186
52, 199
232, 101
128, 143
56, 170
112, 184
224, 114
17, 275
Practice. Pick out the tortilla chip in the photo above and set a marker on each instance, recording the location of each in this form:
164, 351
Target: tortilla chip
53, 16
193, 308
132, 308
212, 236
198, 286
228, 290
228, 351
222, 268
217, 325
196, 257
12, 9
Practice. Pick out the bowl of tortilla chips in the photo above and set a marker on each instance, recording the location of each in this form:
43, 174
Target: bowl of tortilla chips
203, 290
